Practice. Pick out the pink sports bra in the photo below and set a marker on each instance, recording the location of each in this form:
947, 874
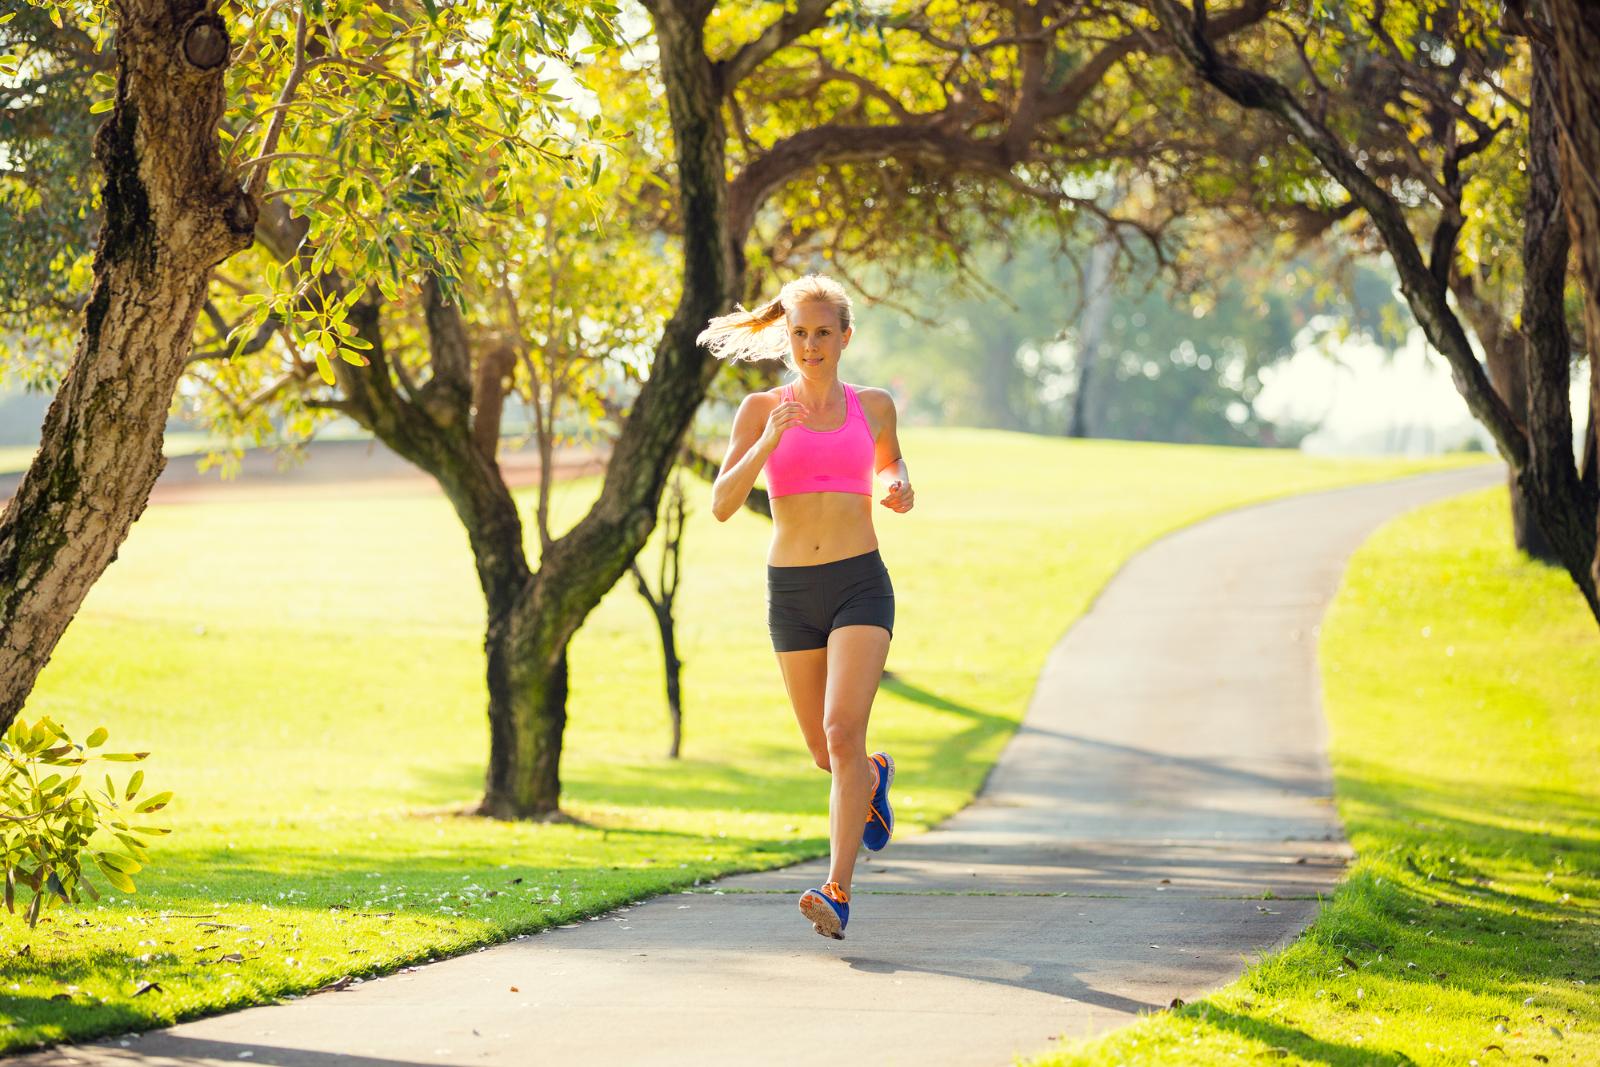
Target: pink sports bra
823, 461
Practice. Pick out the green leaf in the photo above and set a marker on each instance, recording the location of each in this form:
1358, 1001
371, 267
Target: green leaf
97, 738
118, 862
133, 784
117, 879
324, 368
124, 757
155, 803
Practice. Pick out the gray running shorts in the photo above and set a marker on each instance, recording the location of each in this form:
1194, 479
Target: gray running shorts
804, 604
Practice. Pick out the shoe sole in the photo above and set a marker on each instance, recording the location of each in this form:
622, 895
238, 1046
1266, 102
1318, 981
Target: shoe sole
889, 785
823, 918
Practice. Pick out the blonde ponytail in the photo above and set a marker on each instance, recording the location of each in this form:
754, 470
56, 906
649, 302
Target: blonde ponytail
749, 335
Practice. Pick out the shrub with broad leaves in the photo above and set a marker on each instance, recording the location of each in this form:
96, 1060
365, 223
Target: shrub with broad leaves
48, 818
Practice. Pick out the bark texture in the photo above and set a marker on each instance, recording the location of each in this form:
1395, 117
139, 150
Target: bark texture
1505, 352
1550, 482
1575, 30
172, 213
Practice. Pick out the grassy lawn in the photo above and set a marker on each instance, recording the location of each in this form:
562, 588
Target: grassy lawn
1463, 698
308, 675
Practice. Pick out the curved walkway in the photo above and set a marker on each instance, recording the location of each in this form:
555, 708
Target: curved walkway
1170, 772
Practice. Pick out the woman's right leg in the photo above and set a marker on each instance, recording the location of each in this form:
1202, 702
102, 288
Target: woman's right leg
805, 676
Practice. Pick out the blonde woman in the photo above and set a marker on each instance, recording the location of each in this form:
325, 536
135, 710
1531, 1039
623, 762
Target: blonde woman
830, 605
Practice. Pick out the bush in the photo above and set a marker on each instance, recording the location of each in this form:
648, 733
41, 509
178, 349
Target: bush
48, 822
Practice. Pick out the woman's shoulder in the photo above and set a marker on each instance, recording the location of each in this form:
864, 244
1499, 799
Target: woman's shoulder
874, 399
765, 397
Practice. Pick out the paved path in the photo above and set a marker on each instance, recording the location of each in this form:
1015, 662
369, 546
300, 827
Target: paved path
1170, 770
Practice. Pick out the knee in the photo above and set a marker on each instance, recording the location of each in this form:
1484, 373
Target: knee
821, 756
844, 741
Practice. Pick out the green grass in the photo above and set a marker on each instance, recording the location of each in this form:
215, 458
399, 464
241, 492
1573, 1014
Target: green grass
308, 675
1463, 697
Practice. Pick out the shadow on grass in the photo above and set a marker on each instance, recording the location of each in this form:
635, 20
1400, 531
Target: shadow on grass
1275, 1035
1438, 901
778, 780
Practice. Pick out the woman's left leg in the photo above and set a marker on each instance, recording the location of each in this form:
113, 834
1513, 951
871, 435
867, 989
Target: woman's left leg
856, 655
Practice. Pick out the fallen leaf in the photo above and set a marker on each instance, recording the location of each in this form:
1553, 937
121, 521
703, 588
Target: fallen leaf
1350, 963
514, 989
146, 987
336, 985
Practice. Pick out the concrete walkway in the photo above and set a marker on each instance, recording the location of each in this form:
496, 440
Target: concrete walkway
1171, 770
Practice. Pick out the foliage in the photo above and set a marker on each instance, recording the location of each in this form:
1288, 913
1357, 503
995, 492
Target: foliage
1175, 364
386, 128
50, 821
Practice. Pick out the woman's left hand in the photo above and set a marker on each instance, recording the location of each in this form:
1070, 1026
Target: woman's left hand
899, 498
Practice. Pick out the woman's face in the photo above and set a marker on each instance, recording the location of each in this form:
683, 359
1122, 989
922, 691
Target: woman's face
815, 338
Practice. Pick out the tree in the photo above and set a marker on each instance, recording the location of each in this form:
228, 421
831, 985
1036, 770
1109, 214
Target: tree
1176, 358
1451, 116
174, 208
782, 141
1570, 79
661, 601
173, 212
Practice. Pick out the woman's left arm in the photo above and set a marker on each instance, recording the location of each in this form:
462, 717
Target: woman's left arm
886, 458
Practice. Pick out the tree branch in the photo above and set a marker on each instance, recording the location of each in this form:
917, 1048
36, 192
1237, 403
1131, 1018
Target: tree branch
727, 73
1426, 296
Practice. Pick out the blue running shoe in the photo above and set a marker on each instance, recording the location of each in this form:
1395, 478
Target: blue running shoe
828, 909
880, 816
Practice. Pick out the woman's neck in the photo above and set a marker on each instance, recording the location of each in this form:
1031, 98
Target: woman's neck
818, 394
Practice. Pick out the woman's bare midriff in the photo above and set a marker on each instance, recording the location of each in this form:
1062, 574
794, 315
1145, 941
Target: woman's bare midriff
812, 528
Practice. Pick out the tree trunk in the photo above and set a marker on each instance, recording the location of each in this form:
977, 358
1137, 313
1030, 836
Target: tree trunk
527, 717
1565, 513
674, 668
1505, 351
1576, 93
172, 213
1096, 308
1506, 357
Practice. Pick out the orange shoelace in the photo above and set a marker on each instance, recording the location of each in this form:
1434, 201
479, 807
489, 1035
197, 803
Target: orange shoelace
832, 889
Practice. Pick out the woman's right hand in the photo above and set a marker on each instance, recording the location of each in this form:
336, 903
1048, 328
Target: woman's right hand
788, 413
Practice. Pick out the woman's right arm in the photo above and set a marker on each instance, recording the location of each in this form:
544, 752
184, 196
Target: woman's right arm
748, 448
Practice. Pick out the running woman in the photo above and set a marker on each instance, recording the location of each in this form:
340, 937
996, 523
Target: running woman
830, 605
